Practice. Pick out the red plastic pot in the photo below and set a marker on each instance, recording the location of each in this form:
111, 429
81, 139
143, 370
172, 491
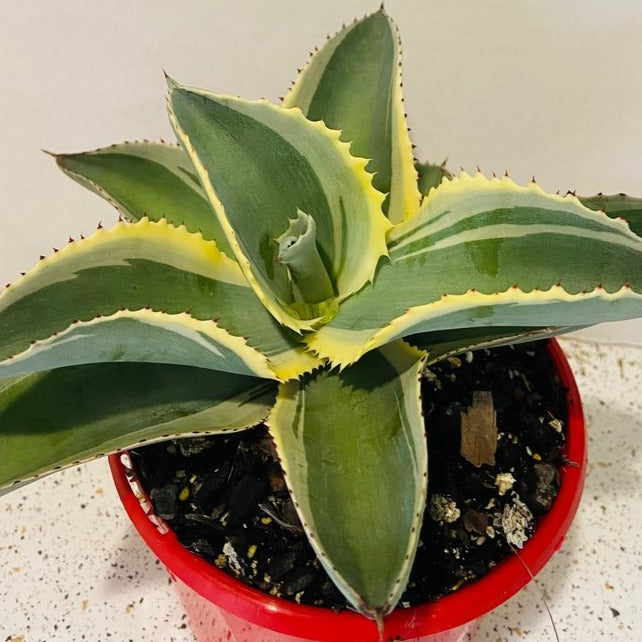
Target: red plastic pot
221, 608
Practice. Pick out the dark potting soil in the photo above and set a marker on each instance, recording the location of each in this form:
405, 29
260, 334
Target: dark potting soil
225, 496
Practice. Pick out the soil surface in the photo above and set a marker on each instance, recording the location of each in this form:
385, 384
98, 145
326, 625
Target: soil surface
225, 496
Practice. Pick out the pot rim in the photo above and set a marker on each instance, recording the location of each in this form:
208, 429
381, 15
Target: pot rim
464, 605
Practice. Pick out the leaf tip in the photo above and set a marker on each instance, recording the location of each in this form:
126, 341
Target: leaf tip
378, 615
171, 83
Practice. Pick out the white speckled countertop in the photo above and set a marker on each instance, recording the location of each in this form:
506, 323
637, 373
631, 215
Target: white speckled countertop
72, 567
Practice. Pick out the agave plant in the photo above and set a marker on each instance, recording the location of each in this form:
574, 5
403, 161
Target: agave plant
294, 264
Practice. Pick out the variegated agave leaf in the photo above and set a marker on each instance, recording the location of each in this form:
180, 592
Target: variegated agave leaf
621, 206
58, 418
353, 84
147, 179
142, 292
353, 447
133, 334
430, 175
260, 165
485, 254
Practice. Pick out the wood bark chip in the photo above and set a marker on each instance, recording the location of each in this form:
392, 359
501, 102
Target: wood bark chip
479, 430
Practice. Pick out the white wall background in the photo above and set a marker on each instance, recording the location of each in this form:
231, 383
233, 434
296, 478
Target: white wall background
539, 87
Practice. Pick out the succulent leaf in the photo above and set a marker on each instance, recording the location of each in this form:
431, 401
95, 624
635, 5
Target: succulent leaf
353, 448
430, 175
142, 336
617, 206
60, 417
443, 343
259, 165
145, 265
147, 179
511, 246
353, 83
